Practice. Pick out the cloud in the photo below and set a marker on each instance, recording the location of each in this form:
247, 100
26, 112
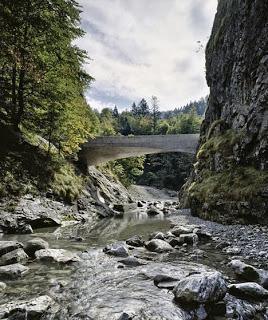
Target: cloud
141, 48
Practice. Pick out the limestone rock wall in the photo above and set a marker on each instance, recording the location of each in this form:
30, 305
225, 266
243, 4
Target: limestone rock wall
230, 180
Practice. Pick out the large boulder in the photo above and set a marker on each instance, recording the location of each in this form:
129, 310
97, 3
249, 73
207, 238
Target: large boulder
157, 245
116, 249
249, 273
34, 245
174, 241
248, 290
7, 246
57, 255
135, 241
12, 271
157, 235
34, 309
153, 211
15, 256
207, 287
189, 238
178, 230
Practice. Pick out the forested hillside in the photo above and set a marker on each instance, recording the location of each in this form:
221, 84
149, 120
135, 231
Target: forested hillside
42, 81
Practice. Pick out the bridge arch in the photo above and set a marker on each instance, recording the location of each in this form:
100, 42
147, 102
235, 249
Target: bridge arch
103, 149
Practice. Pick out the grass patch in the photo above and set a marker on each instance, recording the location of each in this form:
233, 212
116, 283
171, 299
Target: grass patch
236, 184
66, 183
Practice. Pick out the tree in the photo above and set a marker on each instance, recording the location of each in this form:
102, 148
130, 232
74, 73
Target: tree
41, 69
155, 112
143, 108
124, 124
134, 109
115, 112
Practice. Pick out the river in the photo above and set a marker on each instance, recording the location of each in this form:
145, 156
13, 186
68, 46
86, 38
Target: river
100, 287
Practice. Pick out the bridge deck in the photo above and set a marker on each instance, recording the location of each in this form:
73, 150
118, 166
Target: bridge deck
103, 149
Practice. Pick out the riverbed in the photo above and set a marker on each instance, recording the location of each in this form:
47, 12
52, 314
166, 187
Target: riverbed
100, 287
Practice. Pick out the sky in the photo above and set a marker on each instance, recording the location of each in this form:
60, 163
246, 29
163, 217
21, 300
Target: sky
141, 48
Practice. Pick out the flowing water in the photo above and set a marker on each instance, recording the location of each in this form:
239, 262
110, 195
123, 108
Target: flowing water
99, 287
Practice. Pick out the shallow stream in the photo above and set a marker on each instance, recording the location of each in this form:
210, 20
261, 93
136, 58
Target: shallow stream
100, 287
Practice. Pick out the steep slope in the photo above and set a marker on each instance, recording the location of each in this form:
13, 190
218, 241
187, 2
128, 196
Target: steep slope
230, 180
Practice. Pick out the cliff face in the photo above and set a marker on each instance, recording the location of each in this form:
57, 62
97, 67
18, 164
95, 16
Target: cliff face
230, 180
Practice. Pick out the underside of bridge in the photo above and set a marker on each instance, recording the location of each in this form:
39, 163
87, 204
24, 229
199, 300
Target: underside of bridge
103, 149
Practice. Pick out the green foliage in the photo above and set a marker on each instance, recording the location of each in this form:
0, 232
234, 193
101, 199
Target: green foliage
166, 170
237, 184
66, 183
41, 72
125, 170
221, 143
185, 123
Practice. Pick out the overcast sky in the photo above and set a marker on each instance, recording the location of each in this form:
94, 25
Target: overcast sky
141, 48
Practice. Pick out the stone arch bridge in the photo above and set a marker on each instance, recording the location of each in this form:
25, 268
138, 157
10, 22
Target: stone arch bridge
103, 149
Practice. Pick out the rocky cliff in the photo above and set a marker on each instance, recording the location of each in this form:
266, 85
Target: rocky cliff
230, 180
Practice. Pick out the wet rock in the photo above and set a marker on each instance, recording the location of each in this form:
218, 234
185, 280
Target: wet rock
25, 229
125, 316
207, 287
2, 288
13, 271
157, 245
222, 245
203, 235
44, 222
7, 246
34, 309
135, 241
57, 255
249, 273
139, 204
15, 256
166, 211
131, 262
201, 313
153, 211
77, 239
119, 207
165, 282
232, 250
157, 235
178, 230
116, 249
175, 242
218, 309
34, 245
248, 290
190, 238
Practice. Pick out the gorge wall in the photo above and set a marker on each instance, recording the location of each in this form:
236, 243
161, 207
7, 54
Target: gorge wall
230, 178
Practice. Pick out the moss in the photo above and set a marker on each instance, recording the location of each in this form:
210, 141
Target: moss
222, 143
213, 127
236, 184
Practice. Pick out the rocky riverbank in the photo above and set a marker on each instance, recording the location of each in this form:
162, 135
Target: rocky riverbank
98, 200
153, 261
